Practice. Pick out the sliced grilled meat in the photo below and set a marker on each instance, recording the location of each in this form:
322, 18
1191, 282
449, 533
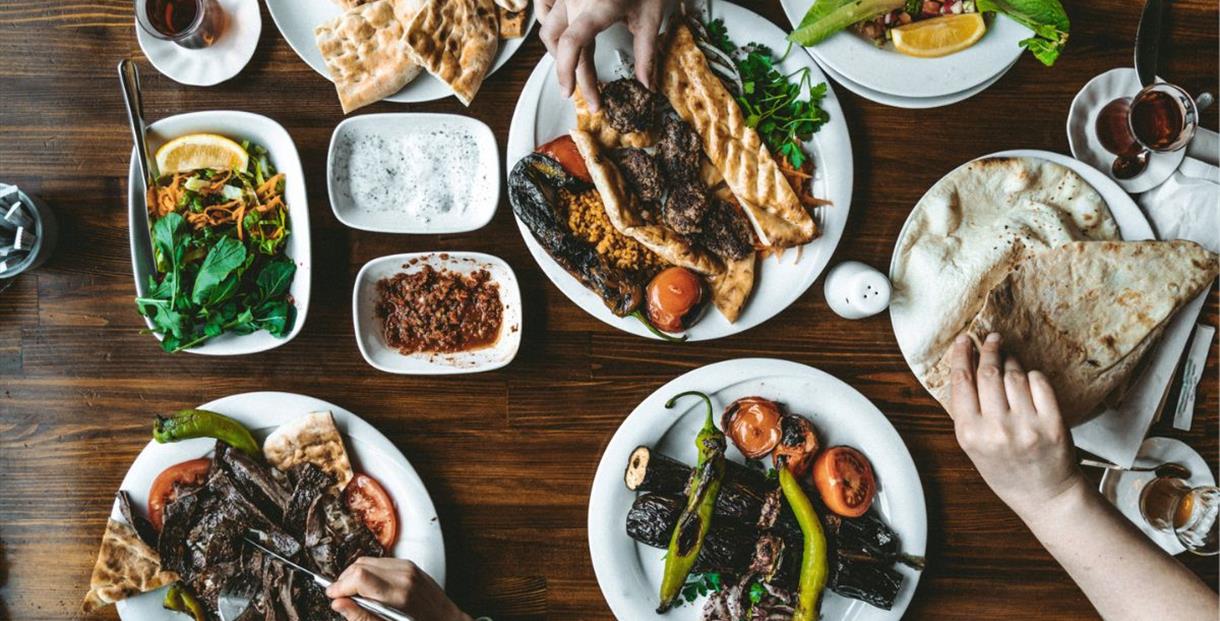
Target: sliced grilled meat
180, 516
641, 173
725, 230
311, 483
685, 207
255, 481
679, 149
143, 527
628, 105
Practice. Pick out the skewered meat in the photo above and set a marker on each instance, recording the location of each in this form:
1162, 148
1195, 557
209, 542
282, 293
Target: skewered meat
679, 149
640, 171
725, 231
629, 106
685, 207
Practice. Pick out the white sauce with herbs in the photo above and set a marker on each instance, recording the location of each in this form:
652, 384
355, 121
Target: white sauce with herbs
413, 177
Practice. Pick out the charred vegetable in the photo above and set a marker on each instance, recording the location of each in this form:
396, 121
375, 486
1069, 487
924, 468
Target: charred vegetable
814, 560
845, 480
798, 443
186, 424
696, 518
179, 599
676, 298
726, 548
753, 424
741, 494
532, 189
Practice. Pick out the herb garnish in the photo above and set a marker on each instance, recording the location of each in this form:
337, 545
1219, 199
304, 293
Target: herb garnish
770, 99
699, 585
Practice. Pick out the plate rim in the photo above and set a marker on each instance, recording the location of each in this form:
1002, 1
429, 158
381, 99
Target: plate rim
253, 16
837, 139
745, 369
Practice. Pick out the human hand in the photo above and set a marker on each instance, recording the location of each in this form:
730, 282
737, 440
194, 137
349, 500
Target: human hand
1008, 423
394, 582
569, 31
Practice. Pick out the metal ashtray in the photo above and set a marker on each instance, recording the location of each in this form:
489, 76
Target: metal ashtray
28, 231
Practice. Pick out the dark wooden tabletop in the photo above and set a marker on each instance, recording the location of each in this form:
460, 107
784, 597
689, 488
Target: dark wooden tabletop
508, 456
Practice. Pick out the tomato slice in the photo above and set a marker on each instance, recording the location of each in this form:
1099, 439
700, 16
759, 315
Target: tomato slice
368, 500
563, 150
753, 425
798, 443
844, 478
164, 488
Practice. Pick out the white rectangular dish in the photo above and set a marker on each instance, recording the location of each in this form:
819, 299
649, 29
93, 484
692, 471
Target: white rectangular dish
413, 173
368, 326
283, 154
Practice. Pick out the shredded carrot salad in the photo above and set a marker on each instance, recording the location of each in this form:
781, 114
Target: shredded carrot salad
250, 203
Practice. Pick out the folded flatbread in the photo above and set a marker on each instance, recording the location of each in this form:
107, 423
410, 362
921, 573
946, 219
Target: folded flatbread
967, 233
595, 123
125, 566
365, 53
315, 439
1085, 313
511, 23
622, 209
456, 41
700, 98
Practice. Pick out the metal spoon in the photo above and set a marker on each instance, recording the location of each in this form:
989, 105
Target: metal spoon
1167, 470
129, 78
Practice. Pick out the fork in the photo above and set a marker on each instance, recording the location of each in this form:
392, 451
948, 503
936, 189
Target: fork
235, 597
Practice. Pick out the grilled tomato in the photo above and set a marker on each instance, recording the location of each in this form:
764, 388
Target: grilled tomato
753, 425
844, 478
564, 151
675, 299
798, 443
368, 500
165, 487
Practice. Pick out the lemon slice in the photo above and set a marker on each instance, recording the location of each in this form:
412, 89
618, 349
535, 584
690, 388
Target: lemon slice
195, 151
939, 36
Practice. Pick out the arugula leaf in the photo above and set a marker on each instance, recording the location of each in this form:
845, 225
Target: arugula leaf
1046, 18
756, 592
218, 277
275, 316
275, 277
826, 17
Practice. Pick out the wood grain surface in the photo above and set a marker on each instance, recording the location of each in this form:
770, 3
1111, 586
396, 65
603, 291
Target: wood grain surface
508, 456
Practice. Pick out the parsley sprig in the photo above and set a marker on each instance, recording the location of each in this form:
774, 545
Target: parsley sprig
772, 100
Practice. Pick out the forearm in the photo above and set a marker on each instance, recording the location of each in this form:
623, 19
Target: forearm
1123, 573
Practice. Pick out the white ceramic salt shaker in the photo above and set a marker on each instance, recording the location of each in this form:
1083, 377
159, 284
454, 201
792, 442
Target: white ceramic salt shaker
855, 290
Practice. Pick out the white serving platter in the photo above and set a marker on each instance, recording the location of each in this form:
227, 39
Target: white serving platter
481, 174
282, 152
384, 358
629, 573
543, 114
419, 531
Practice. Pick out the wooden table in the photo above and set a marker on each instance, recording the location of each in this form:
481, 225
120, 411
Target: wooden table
508, 456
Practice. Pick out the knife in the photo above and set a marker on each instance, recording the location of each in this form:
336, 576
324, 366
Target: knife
377, 608
1148, 41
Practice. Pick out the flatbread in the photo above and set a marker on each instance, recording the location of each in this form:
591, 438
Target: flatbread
1085, 313
125, 566
351, 4
313, 438
968, 231
456, 41
596, 124
511, 23
701, 99
365, 54
731, 288
622, 210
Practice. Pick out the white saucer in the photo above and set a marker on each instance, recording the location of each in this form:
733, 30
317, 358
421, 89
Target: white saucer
226, 57
911, 103
1123, 488
1082, 117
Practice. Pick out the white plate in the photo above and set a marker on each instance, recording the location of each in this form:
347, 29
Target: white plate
225, 58
1082, 135
296, 20
483, 174
283, 154
884, 70
629, 573
369, 327
1123, 488
419, 530
911, 103
543, 114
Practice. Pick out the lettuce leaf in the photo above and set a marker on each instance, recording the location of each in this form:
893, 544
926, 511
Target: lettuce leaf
1046, 18
826, 17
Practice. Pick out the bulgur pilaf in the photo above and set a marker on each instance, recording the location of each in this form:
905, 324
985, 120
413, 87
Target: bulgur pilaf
587, 220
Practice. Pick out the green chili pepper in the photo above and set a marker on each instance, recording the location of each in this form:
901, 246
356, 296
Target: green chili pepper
814, 566
696, 518
638, 314
178, 599
186, 424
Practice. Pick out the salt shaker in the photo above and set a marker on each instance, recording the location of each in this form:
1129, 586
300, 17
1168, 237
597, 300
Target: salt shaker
855, 290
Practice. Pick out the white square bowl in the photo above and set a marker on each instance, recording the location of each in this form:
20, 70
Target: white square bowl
385, 358
388, 218
282, 152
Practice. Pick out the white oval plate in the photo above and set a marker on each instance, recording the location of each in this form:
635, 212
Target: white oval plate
543, 114
882, 69
629, 573
296, 20
419, 530
381, 356
390, 218
225, 58
1082, 134
283, 154
910, 103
